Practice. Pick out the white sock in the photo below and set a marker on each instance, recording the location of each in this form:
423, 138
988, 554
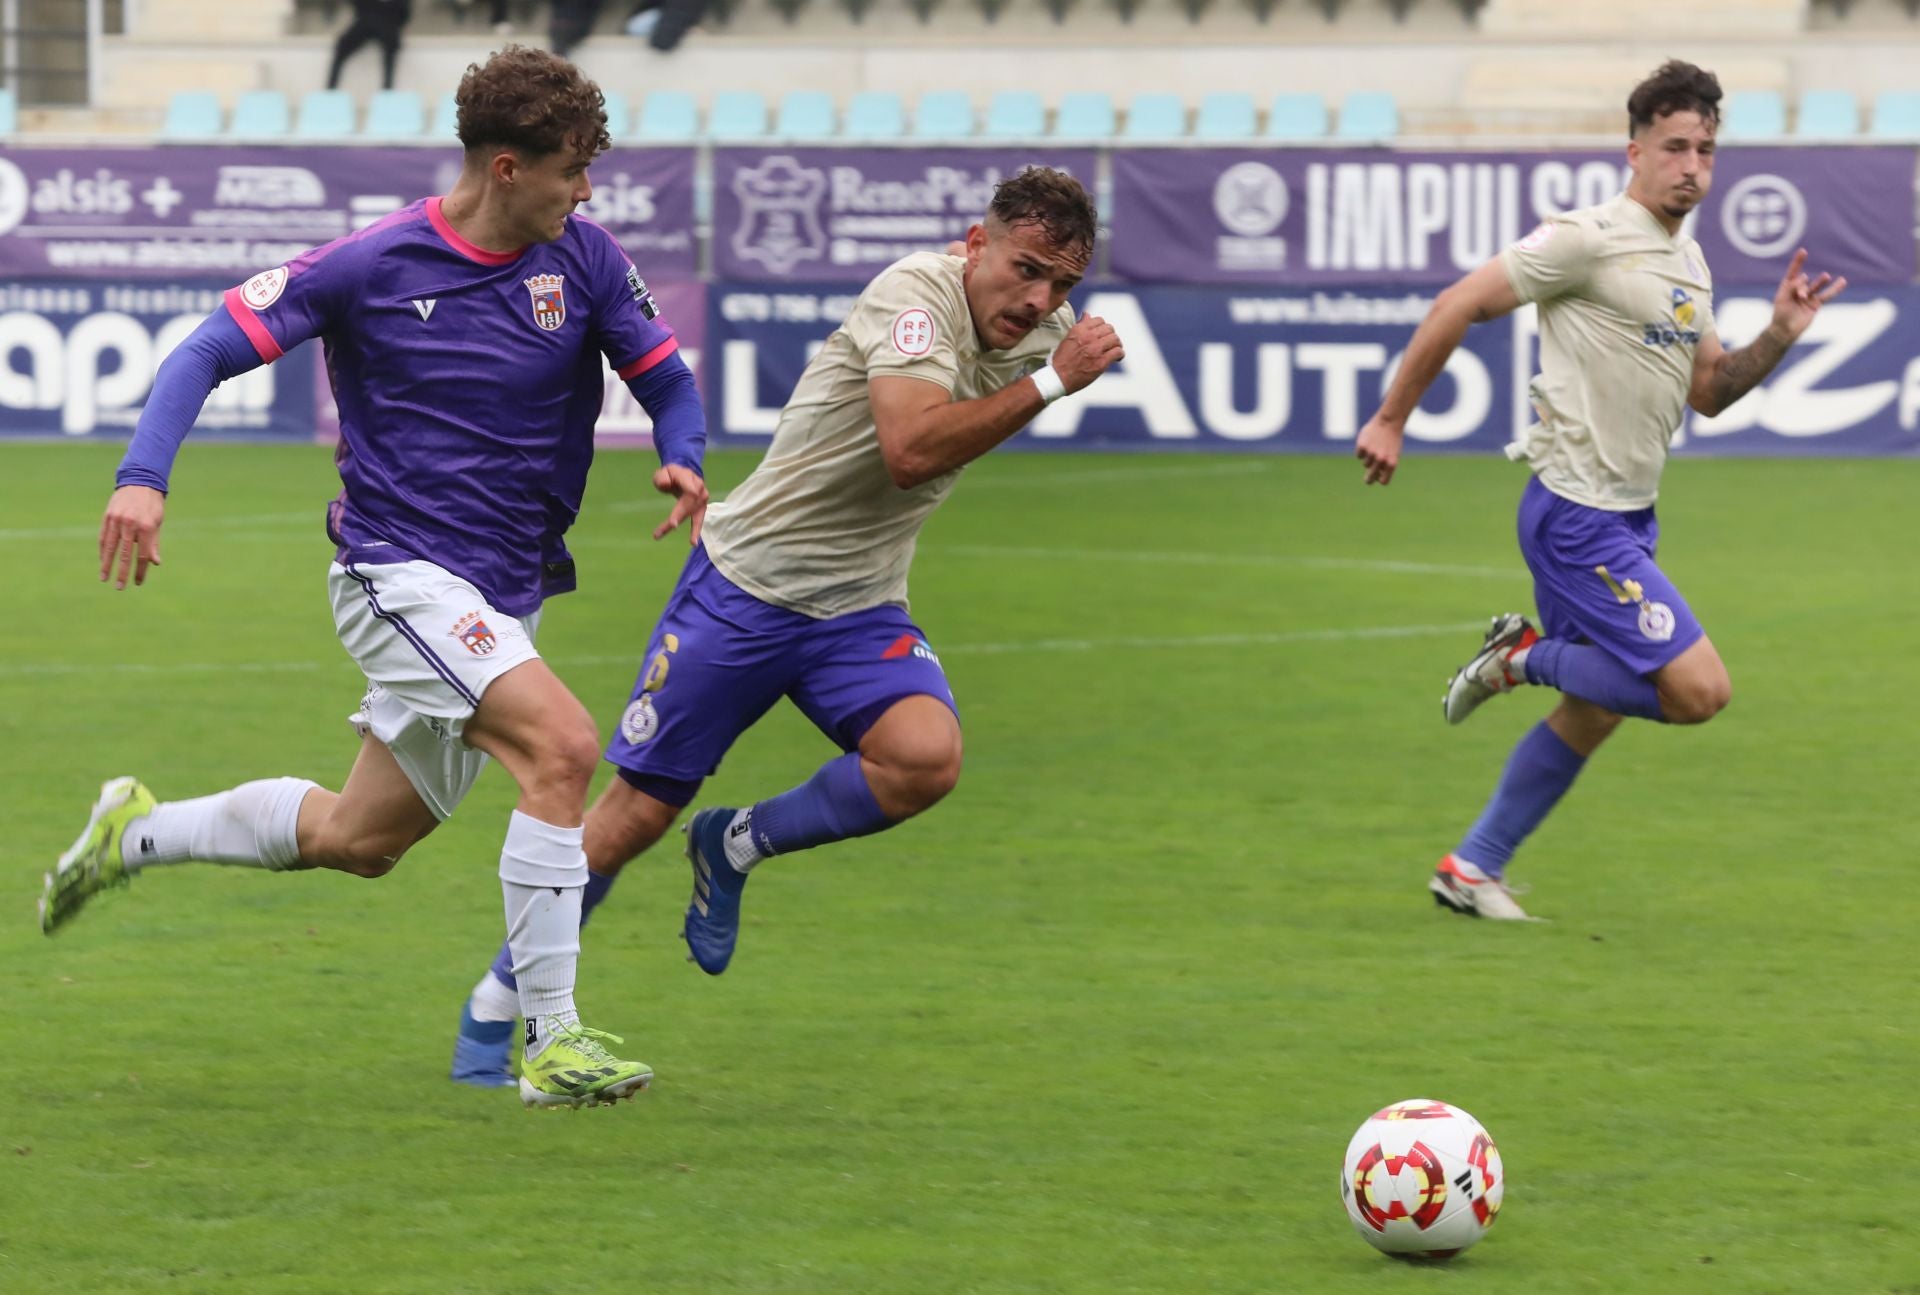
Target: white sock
493, 1001
253, 826
1517, 663
742, 851
543, 871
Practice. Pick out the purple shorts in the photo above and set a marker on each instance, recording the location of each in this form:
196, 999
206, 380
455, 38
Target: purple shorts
720, 658
1595, 580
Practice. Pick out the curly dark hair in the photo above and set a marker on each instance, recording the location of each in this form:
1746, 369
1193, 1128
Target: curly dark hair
1054, 201
533, 102
1676, 87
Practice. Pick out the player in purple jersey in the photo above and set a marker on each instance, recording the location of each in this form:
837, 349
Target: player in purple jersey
798, 588
465, 338
1627, 341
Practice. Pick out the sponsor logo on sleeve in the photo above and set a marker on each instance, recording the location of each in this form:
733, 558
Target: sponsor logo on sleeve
1538, 238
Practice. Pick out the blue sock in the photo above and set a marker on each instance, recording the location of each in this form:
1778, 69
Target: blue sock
1537, 775
833, 805
598, 885
1590, 674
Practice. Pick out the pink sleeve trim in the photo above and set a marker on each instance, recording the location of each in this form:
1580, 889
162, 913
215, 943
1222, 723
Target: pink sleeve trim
252, 325
650, 359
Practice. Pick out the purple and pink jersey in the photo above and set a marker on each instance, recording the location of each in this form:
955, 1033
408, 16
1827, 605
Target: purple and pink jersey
468, 384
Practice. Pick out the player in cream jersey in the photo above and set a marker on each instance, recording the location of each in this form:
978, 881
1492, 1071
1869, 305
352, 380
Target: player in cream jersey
823, 527
1627, 343
798, 585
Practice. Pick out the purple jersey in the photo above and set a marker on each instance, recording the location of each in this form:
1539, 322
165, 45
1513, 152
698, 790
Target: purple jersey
468, 384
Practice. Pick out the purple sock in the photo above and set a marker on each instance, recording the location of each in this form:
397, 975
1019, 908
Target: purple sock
1537, 775
598, 885
1590, 674
834, 804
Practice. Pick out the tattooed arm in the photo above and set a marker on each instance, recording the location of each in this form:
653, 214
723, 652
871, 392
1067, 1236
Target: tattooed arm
1721, 377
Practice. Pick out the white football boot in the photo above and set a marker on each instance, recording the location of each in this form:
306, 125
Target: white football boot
1490, 672
1462, 887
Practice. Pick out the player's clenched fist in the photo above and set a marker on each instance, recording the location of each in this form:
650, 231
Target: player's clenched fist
1090, 348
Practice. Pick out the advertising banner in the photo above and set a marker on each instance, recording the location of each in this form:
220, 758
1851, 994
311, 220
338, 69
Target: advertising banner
1301, 371
1272, 217
844, 213
184, 211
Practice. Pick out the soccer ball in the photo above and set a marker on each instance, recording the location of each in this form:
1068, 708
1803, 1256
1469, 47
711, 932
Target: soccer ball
1422, 1180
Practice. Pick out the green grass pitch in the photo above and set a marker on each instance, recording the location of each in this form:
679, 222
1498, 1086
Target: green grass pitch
1103, 1021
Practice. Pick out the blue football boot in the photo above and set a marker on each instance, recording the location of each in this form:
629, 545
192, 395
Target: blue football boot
713, 918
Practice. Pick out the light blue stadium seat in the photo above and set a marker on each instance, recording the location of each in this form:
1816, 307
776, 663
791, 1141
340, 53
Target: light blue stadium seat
943, 114
737, 114
395, 114
619, 114
1368, 114
191, 114
324, 114
1084, 114
1225, 116
1754, 114
1828, 114
1015, 114
1896, 115
1297, 116
446, 118
875, 114
260, 114
9, 114
668, 115
1155, 116
805, 114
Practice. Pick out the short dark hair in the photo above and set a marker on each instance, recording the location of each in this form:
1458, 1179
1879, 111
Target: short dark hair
533, 102
1675, 87
1054, 201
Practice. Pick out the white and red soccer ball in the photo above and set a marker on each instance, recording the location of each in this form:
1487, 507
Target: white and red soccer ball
1422, 1180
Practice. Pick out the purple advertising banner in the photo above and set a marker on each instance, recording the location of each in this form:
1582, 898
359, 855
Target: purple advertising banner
1274, 217
226, 213
844, 213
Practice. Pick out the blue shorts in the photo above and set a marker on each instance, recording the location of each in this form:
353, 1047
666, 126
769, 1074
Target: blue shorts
1595, 580
720, 658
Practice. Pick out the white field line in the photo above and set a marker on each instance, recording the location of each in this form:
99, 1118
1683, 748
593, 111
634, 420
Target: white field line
1281, 638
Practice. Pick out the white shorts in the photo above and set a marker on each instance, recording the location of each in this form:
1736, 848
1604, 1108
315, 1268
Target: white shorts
430, 646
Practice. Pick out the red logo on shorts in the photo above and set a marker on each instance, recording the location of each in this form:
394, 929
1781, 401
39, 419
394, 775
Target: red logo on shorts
902, 646
473, 632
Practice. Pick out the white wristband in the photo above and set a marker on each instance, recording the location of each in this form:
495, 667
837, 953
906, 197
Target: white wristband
1049, 383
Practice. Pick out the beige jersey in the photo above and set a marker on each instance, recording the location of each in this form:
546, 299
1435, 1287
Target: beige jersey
1623, 307
819, 527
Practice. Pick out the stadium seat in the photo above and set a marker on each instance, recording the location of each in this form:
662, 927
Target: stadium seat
668, 115
191, 114
943, 114
1828, 114
324, 114
805, 114
1086, 114
1225, 116
1015, 114
737, 114
1896, 115
260, 114
1155, 116
1296, 116
9, 115
1368, 115
395, 114
1754, 114
875, 114
619, 114
446, 118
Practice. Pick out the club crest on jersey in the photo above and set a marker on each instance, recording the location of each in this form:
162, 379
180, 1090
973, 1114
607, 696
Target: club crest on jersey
474, 634
549, 306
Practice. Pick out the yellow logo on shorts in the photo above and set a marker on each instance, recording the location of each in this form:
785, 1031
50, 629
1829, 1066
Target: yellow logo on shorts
1656, 619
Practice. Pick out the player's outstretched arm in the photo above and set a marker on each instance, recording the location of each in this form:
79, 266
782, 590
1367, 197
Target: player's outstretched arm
924, 433
1485, 294
1721, 377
